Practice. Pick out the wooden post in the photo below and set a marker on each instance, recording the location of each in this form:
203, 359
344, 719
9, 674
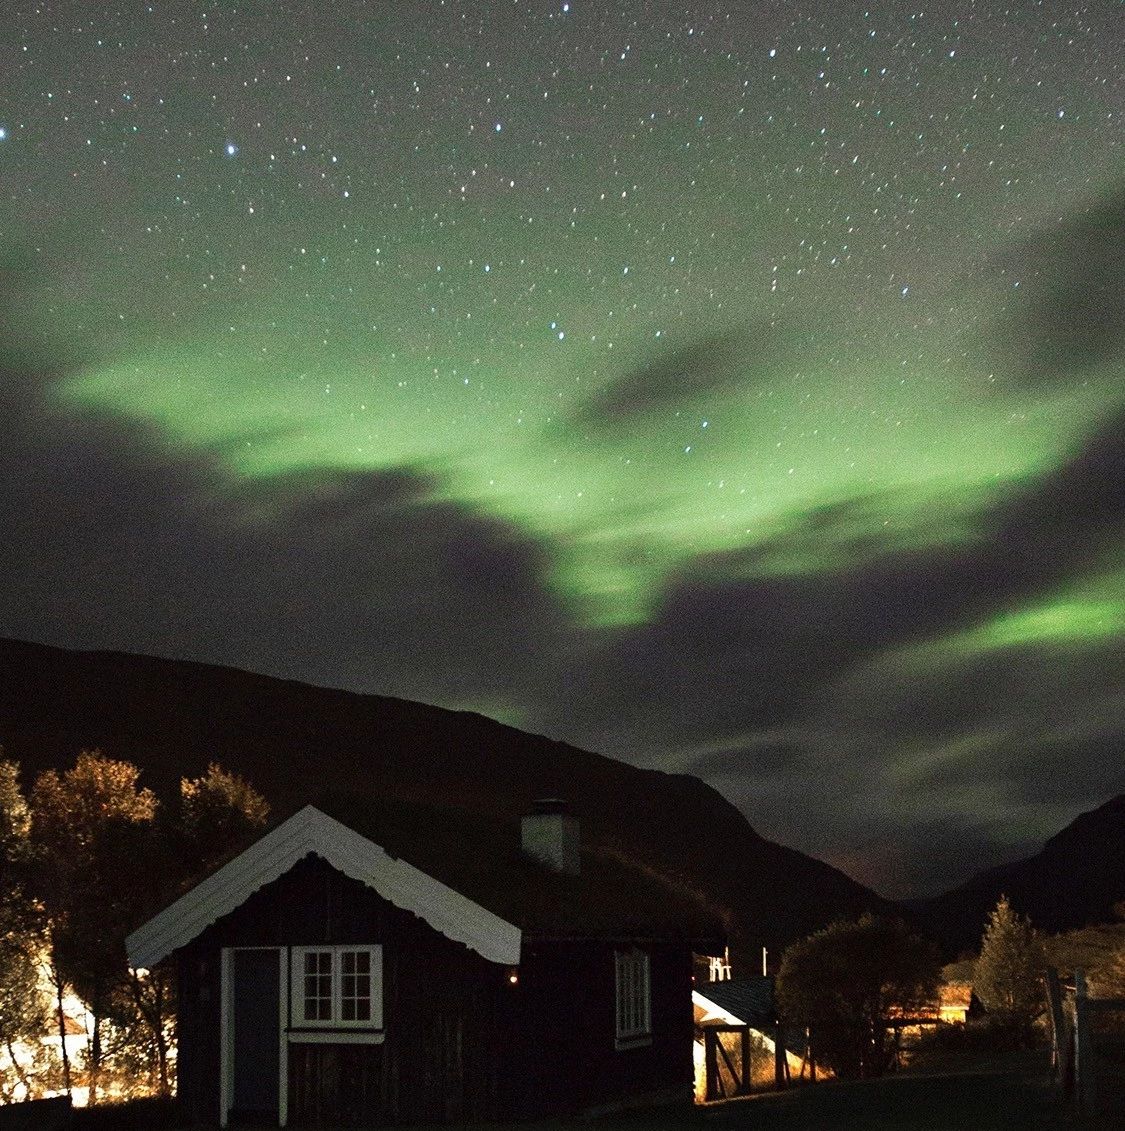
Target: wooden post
711, 1063
778, 1056
1060, 1037
1084, 1082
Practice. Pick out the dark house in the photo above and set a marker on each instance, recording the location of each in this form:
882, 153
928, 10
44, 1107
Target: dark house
324, 980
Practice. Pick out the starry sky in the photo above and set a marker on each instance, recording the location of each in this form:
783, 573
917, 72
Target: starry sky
735, 389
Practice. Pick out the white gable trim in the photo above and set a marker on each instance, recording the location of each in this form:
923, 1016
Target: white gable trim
310, 830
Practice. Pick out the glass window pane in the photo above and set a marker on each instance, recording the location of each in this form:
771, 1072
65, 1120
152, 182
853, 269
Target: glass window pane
318, 985
355, 985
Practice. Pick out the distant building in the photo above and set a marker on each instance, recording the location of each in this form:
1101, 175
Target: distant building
953, 1005
955, 1002
323, 980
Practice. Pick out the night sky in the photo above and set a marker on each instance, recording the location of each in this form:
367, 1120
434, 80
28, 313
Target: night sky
731, 388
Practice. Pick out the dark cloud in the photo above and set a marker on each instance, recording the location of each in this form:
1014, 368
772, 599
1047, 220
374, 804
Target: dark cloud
114, 539
825, 701
1077, 510
1068, 316
924, 857
761, 755
1066, 771
723, 657
718, 365
739, 648
872, 693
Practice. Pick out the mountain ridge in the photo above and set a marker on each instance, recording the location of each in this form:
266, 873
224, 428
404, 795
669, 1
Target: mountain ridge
172, 717
1074, 880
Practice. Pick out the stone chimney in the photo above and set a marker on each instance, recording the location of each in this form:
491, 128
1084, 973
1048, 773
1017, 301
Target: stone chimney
550, 836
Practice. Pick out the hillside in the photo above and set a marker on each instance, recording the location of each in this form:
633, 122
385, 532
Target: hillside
295, 741
1073, 881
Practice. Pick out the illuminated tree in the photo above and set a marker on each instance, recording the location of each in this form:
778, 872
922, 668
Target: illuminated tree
1008, 974
23, 1013
848, 981
219, 812
92, 833
1108, 980
15, 822
90, 850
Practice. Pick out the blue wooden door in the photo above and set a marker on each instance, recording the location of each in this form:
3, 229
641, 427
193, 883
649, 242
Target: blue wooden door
257, 1040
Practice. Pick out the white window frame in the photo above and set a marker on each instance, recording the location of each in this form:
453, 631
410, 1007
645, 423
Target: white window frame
336, 1021
632, 998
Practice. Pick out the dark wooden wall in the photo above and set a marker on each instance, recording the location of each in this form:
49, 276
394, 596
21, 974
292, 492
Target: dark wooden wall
461, 1042
448, 1013
567, 1053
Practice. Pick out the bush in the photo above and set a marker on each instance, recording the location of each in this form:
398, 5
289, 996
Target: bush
977, 1039
847, 982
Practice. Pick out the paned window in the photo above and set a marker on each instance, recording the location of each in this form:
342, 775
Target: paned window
634, 1020
355, 985
337, 987
316, 993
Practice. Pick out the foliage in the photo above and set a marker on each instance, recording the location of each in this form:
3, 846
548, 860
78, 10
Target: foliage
1088, 948
15, 819
23, 1009
91, 830
1108, 978
219, 812
978, 1040
959, 972
848, 981
1008, 974
88, 858
140, 1034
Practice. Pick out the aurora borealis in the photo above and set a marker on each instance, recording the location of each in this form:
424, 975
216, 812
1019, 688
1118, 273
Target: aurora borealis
732, 388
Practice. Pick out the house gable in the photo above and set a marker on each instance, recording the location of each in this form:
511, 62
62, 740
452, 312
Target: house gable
312, 831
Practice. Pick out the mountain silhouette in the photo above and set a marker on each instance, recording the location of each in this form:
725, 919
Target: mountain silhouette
1074, 880
296, 742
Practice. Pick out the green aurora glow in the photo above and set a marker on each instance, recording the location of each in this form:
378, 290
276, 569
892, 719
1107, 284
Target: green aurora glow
619, 512
689, 300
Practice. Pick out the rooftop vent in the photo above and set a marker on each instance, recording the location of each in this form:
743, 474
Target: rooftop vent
550, 836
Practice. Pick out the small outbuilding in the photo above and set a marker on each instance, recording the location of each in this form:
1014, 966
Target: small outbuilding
736, 1039
369, 962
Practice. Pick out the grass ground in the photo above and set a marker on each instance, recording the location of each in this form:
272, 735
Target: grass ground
1019, 1098
1011, 1092
1005, 1093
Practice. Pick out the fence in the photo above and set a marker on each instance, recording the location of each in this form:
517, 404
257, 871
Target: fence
1087, 1043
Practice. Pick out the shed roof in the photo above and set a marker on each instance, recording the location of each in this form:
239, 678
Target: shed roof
748, 1000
